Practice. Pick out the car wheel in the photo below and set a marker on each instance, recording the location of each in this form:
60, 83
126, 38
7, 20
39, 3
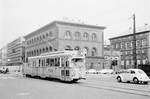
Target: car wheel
135, 80
119, 79
145, 82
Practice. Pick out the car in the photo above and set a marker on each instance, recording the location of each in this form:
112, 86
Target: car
91, 71
4, 70
120, 71
133, 75
106, 71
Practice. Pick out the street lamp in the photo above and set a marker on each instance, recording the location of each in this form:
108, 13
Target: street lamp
134, 43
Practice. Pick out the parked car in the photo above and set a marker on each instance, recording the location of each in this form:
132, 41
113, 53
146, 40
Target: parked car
133, 75
105, 71
120, 71
91, 71
4, 69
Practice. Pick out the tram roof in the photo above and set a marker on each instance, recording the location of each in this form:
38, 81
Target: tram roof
58, 53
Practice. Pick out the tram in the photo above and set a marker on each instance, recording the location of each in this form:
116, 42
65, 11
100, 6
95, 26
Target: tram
64, 65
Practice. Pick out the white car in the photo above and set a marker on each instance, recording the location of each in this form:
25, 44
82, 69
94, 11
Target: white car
133, 75
3, 69
106, 71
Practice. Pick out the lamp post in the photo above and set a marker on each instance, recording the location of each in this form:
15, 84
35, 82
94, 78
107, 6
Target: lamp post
134, 43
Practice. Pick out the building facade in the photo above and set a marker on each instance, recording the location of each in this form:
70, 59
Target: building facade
60, 35
15, 52
124, 44
3, 56
112, 58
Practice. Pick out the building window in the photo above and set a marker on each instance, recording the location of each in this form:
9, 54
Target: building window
50, 48
138, 43
68, 35
43, 36
50, 34
143, 42
77, 35
122, 45
37, 52
43, 50
128, 46
92, 66
46, 34
132, 43
94, 37
86, 36
46, 49
40, 51
117, 45
87, 50
94, 51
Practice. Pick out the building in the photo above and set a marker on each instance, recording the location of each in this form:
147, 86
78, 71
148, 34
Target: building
112, 58
124, 44
60, 35
15, 52
3, 56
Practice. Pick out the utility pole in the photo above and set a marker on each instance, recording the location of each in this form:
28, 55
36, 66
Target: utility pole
134, 42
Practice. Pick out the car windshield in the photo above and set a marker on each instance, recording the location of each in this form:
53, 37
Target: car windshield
141, 72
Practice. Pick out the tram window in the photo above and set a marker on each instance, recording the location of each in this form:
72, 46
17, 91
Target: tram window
57, 63
51, 62
47, 62
39, 62
67, 72
77, 60
42, 63
62, 62
63, 72
67, 63
32, 63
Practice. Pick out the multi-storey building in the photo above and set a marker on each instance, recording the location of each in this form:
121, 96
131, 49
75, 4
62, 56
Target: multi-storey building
60, 35
124, 44
3, 56
15, 52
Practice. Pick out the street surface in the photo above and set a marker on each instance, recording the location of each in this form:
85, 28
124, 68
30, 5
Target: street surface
14, 86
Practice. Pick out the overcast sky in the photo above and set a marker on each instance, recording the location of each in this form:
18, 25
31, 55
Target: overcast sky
20, 17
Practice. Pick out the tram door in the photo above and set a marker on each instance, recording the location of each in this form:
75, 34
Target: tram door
57, 67
64, 68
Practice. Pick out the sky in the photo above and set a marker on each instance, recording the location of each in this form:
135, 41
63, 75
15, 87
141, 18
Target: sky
21, 17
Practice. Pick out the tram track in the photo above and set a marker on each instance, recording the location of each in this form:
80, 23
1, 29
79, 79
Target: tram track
115, 89
121, 87
97, 85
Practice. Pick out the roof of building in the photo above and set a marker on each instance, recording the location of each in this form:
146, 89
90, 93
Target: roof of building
129, 35
66, 23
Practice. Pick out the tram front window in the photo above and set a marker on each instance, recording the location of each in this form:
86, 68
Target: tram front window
76, 60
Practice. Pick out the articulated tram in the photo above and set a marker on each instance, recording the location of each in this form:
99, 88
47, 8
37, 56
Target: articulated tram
63, 65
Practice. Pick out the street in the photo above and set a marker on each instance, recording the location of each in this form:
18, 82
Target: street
14, 86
